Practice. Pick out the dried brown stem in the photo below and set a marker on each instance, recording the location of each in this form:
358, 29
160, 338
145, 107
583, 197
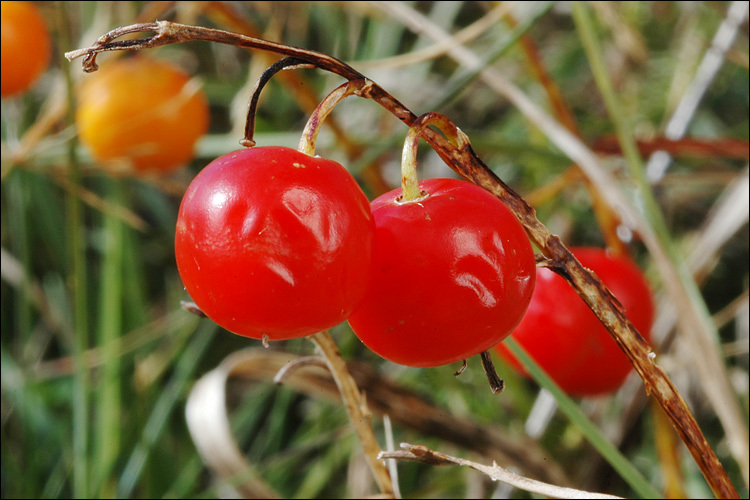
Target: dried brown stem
286, 63
193, 308
469, 166
496, 383
458, 372
689, 147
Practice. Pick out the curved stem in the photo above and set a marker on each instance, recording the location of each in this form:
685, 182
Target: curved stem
310, 133
291, 367
409, 184
423, 454
286, 63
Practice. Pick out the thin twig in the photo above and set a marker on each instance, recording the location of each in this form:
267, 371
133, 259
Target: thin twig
423, 454
496, 383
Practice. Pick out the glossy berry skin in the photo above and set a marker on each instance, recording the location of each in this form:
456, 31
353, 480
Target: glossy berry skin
562, 334
452, 275
141, 115
273, 242
25, 47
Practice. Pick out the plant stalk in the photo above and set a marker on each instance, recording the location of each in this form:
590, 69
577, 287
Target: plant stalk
355, 405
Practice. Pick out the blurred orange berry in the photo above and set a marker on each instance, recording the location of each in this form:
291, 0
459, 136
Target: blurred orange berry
25, 46
141, 113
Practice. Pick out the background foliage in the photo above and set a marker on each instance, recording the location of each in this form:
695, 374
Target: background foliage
95, 371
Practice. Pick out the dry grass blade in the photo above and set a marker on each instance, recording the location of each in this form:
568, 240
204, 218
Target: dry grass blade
467, 34
420, 453
93, 200
13, 273
728, 215
208, 423
709, 67
383, 398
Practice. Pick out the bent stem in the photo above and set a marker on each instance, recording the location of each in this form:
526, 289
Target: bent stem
355, 408
252, 107
464, 161
310, 133
409, 184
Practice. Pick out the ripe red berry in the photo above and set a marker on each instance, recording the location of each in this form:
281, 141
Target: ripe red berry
567, 340
452, 275
274, 243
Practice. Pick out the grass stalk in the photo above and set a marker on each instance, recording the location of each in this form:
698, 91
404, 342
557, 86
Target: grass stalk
164, 406
109, 405
78, 283
617, 460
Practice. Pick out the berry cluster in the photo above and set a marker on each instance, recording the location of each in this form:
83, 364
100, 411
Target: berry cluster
274, 244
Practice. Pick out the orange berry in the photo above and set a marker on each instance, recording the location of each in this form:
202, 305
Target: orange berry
141, 113
25, 46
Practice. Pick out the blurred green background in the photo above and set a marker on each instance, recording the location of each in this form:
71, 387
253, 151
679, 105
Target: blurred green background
98, 356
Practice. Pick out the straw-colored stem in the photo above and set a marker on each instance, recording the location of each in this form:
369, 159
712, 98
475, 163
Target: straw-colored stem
312, 128
355, 408
409, 183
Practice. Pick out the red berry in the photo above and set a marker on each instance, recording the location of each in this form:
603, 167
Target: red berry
273, 242
452, 275
567, 340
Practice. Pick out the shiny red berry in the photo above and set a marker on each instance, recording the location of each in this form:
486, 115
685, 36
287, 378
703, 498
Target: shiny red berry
274, 243
452, 275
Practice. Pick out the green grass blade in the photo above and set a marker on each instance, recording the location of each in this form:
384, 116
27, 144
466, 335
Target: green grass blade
617, 460
459, 82
108, 403
173, 392
78, 283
